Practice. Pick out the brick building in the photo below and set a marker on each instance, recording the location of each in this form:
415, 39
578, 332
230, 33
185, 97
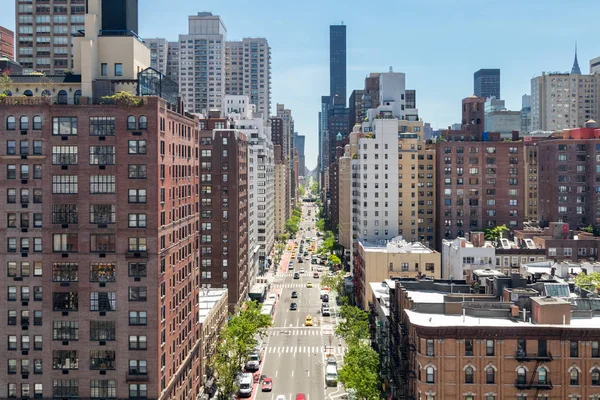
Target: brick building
224, 209
7, 43
102, 220
480, 178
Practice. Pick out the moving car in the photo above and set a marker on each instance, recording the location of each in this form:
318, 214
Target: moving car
316, 275
326, 312
300, 396
331, 360
301, 270
296, 275
294, 295
308, 284
308, 321
280, 397
300, 260
267, 385
293, 307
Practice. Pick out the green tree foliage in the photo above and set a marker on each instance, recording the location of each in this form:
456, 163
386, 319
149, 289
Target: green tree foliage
123, 98
496, 232
335, 260
315, 187
589, 282
335, 283
320, 225
283, 238
236, 342
354, 325
361, 372
301, 191
5, 82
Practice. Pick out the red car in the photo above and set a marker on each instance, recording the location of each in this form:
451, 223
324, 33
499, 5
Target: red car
267, 385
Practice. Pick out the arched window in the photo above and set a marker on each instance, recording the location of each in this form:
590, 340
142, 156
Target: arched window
76, 97
596, 377
469, 375
574, 374
131, 122
62, 97
8, 92
143, 122
521, 375
542, 375
11, 123
490, 375
24, 123
46, 93
429, 376
37, 123
28, 93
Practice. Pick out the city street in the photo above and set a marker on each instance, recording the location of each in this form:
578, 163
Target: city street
295, 354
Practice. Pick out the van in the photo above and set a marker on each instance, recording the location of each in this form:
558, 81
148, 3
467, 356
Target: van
245, 385
331, 375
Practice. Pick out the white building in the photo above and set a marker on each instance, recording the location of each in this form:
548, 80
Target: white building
202, 63
248, 71
504, 122
159, 53
595, 66
461, 257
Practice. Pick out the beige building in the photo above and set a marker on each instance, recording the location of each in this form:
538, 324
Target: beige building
427, 196
345, 201
395, 259
281, 199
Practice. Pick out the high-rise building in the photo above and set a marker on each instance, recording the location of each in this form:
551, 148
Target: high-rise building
281, 183
323, 143
287, 143
44, 34
224, 208
595, 66
576, 103
525, 114
202, 64
7, 43
575, 70
300, 142
173, 61
486, 83
356, 107
248, 71
159, 53
411, 99
337, 61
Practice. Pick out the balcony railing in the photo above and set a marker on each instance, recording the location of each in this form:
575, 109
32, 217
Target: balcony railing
522, 356
521, 384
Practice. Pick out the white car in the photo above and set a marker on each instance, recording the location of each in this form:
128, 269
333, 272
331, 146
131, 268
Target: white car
280, 397
301, 270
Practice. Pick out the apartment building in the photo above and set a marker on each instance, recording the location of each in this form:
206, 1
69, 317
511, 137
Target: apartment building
567, 177
159, 53
563, 101
173, 61
480, 178
248, 71
44, 34
345, 233
357, 111
515, 342
202, 63
7, 43
530, 150
282, 209
224, 209
287, 143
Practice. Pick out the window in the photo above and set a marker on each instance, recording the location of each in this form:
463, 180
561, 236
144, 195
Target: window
64, 126
131, 123
100, 243
137, 342
573, 347
64, 242
137, 220
12, 342
137, 195
65, 359
137, 293
542, 375
103, 69
102, 184
596, 377
137, 318
143, 122
102, 359
595, 350
102, 272
137, 244
137, 367
65, 272
65, 330
137, 171
37, 123
65, 301
118, 69
64, 214
103, 301
103, 213
103, 330
490, 375
102, 155
11, 123
24, 123
574, 377
64, 155
469, 375
429, 375
137, 147
469, 347
37, 148
11, 171
103, 389
11, 147
138, 391
489, 347
64, 184
430, 347
65, 388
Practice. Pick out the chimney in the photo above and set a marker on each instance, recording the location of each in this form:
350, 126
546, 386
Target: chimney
477, 238
514, 311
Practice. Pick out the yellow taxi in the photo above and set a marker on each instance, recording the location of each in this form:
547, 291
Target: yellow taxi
308, 321
308, 284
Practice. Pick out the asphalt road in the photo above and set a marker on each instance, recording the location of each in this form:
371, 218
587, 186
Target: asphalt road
295, 354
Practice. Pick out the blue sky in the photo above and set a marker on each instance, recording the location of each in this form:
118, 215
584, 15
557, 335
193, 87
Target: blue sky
439, 44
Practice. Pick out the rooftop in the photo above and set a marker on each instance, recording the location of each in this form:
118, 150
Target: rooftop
209, 299
396, 245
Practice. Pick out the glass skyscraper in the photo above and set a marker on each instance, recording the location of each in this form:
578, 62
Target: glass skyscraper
337, 61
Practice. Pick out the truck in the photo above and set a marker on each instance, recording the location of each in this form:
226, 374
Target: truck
331, 375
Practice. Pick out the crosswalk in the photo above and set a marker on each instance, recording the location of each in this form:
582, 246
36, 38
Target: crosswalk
305, 350
290, 285
296, 332
290, 274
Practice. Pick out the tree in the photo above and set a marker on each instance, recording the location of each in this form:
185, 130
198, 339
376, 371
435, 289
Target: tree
361, 372
335, 283
283, 237
320, 225
496, 232
315, 187
5, 82
123, 98
335, 260
292, 226
301, 190
354, 325
589, 282
236, 342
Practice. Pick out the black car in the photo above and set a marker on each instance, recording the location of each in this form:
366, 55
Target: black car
296, 275
293, 307
294, 295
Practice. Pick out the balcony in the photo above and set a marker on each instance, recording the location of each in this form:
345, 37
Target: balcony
522, 356
521, 384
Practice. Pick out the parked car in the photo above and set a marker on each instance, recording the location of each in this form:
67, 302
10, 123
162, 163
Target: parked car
253, 362
245, 385
326, 312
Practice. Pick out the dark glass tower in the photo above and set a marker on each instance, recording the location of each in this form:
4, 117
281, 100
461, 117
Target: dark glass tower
486, 83
119, 16
337, 61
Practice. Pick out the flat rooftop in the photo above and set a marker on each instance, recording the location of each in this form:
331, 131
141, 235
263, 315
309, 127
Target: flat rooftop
208, 300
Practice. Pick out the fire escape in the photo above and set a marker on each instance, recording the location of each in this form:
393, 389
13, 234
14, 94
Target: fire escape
403, 358
532, 383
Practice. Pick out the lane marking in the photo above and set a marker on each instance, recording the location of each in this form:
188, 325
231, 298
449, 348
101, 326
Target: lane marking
292, 373
276, 373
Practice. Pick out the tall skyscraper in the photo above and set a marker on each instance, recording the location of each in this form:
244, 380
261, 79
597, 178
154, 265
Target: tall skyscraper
44, 34
299, 143
337, 61
202, 63
159, 50
248, 71
575, 70
7, 43
486, 83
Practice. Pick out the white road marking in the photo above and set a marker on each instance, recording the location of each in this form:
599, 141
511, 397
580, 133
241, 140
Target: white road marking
284, 322
292, 373
276, 373
308, 374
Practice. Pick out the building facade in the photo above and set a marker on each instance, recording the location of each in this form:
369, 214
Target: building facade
159, 54
486, 83
337, 61
7, 43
